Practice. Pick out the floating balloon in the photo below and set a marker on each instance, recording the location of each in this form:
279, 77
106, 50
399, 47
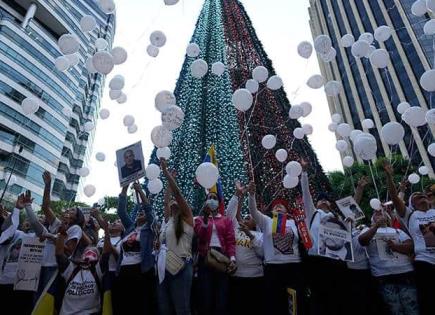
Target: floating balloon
30, 105
371, 51
117, 82
427, 81
207, 175
161, 137
348, 161
322, 44
274, 83
402, 107
360, 49
128, 120
365, 146
119, 55
104, 113
430, 117
375, 204
199, 68
344, 130
171, 2
354, 134
383, 33
341, 145
252, 86
260, 74
155, 186
242, 99
103, 62
101, 44
281, 155
163, 100
347, 40
268, 142
89, 190
307, 108
152, 51
380, 58
163, 153
68, 44
107, 6
158, 39
83, 172
308, 129
415, 116
290, 182
67, 111
333, 127
423, 170
329, 56
367, 123
336, 118
88, 23
316, 81
333, 88
218, 68
392, 133
73, 60
430, 5
100, 156
61, 63
431, 149
413, 178
296, 112
305, 49
193, 50
89, 64
429, 27
122, 99
298, 133
172, 118
115, 94
132, 129
293, 168
88, 126
368, 37
152, 171
419, 8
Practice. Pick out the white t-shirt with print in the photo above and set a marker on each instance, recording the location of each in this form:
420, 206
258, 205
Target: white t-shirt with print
115, 241
74, 232
131, 248
383, 267
49, 258
319, 216
249, 254
81, 295
361, 261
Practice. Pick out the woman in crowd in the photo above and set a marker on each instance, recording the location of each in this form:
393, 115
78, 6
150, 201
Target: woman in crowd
283, 263
136, 263
419, 218
215, 237
176, 240
389, 253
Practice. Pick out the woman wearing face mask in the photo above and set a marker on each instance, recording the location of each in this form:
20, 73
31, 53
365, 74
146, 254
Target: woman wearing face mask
419, 218
176, 239
216, 232
136, 262
283, 263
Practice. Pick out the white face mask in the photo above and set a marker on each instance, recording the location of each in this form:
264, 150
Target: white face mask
212, 204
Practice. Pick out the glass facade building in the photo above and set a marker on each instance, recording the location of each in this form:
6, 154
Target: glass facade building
371, 93
52, 141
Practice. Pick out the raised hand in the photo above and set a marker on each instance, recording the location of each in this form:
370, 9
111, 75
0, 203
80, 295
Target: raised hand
27, 197
388, 168
240, 189
305, 164
137, 187
251, 188
164, 165
363, 181
46, 176
20, 203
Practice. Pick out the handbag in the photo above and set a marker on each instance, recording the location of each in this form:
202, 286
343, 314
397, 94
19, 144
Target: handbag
174, 263
218, 261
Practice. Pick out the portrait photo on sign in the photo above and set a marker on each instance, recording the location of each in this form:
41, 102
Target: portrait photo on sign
428, 232
350, 209
130, 162
335, 241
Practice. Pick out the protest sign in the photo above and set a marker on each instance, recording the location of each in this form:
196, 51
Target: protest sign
130, 162
350, 208
29, 265
335, 243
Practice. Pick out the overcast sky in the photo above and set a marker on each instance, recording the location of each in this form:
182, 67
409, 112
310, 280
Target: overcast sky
280, 25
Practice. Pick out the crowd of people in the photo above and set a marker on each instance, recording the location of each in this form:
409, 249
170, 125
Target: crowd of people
225, 263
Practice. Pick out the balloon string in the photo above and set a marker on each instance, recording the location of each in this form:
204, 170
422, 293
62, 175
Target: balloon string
268, 184
373, 179
252, 112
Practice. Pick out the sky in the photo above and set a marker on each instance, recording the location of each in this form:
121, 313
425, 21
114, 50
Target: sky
280, 24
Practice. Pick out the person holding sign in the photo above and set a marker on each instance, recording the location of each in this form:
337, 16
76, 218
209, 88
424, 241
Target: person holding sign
130, 163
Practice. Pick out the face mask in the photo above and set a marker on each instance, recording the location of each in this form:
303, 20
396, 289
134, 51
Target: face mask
89, 256
212, 204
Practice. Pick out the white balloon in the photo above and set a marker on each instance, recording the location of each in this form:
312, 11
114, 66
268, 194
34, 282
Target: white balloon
67, 111
173, 117
122, 99
103, 62
88, 23
299, 133
155, 186
329, 56
107, 6
117, 82
88, 126
274, 83
152, 51
268, 142
119, 55
354, 134
360, 48
365, 146
341, 145
413, 178
427, 80
308, 129
380, 58
296, 112
101, 44
336, 118
163, 153
242, 99
368, 37
199, 68
375, 204
307, 108
431, 149
419, 8
344, 130
293, 168
152, 171
316, 81
104, 113
128, 120
158, 39
73, 60
90, 66
260, 74
115, 94
89, 190
281, 155
290, 182
333, 127
347, 40
68, 44
164, 100
368, 124
84, 171
348, 161
305, 49
161, 137
333, 88
132, 129
429, 27
30, 105
218, 68
430, 5
430, 117
193, 50
402, 107
423, 170
415, 116
372, 49
322, 44
252, 86
100, 156
383, 33
171, 2
207, 175
61, 63
392, 133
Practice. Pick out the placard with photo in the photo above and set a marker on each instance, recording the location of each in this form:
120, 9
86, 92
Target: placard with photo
350, 209
130, 162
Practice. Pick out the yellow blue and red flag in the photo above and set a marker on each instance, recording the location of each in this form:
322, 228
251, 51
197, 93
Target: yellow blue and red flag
279, 223
217, 189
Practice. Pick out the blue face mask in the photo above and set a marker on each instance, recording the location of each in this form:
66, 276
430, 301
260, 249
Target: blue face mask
213, 204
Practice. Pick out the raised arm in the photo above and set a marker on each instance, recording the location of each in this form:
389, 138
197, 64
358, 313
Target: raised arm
46, 209
398, 203
144, 205
166, 201
122, 209
25, 201
61, 258
309, 207
359, 190
405, 248
234, 205
101, 221
259, 218
365, 238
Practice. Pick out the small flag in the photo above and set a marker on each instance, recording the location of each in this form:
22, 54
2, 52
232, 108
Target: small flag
279, 223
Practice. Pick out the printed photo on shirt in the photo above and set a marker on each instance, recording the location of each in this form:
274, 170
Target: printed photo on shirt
350, 209
428, 232
384, 251
283, 242
334, 240
130, 162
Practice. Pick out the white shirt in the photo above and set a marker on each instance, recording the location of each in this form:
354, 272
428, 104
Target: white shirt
81, 295
131, 248
214, 241
249, 254
115, 241
49, 258
319, 217
361, 261
74, 232
383, 267
424, 239
182, 248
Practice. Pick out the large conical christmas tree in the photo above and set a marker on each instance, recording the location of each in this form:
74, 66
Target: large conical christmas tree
225, 33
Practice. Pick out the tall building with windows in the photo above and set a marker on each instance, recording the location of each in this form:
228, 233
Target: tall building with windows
51, 139
375, 93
